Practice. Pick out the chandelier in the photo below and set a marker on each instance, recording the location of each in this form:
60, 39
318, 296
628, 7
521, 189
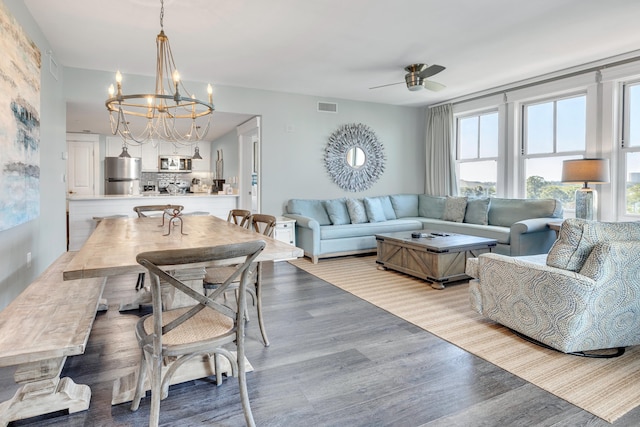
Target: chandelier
168, 114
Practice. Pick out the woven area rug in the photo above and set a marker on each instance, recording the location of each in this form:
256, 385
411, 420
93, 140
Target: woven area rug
607, 388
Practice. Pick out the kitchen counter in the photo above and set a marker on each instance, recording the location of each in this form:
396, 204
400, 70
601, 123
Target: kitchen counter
147, 196
83, 209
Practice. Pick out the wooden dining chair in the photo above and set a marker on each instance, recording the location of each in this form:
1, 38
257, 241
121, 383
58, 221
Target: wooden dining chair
172, 337
239, 217
265, 225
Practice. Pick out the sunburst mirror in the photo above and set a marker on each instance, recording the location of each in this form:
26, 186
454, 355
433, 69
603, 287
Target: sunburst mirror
354, 157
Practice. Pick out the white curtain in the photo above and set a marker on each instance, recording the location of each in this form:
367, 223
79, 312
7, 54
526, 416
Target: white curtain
440, 179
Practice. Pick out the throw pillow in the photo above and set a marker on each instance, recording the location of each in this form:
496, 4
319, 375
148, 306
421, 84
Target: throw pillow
374, 210
454, 208
356, 210
337, 210
387, 207
477, 211
577, 238
405, 205
431, 206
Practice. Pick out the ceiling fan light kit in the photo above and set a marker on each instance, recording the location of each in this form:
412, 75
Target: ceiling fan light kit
416, 78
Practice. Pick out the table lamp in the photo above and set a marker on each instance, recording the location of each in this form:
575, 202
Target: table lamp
595, 171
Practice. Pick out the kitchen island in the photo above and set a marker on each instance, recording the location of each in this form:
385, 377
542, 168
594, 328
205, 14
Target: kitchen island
83, 209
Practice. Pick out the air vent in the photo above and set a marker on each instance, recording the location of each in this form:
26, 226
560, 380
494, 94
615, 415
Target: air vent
327, 107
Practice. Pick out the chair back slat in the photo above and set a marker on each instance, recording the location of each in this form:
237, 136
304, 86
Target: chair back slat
239, 217
264, 224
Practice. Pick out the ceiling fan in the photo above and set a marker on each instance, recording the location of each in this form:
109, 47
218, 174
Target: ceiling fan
416, 78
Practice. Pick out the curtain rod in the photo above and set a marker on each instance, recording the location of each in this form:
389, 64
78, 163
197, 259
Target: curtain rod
540, 82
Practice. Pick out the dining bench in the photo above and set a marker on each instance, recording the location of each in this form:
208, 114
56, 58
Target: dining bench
50, 320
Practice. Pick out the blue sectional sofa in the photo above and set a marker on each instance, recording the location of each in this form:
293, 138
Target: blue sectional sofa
346, 226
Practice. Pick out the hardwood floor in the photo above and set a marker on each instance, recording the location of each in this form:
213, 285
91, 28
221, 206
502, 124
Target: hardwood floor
334, 360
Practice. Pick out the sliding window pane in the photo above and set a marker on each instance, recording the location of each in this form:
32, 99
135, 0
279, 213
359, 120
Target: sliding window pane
633, 183
571, 122
468, 137
633, 139
477, 179
489, 135
543, 180
539, 128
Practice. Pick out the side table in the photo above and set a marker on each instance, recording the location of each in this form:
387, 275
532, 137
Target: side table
285, 230
555, 226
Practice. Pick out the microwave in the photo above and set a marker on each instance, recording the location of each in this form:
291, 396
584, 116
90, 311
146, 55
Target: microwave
174, 164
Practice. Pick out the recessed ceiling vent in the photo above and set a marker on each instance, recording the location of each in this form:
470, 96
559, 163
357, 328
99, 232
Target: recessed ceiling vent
327, 107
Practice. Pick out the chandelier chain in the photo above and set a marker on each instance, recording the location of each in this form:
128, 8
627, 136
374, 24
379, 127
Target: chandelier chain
167, 114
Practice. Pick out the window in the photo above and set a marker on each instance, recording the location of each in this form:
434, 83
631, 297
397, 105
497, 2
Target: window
631, 148
477, 154
553, 131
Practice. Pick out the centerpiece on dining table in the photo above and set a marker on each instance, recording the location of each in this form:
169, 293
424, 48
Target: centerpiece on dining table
174, 215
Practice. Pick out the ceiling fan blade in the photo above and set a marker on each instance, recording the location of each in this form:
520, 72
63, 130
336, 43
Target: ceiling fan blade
434, 86
430, 71
390, 84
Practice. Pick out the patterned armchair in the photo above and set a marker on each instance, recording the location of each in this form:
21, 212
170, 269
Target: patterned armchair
584, 295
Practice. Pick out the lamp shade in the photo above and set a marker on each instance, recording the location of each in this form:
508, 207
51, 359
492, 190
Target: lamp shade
586, 170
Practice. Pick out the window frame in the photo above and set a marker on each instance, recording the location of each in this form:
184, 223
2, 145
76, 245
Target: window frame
625, 149
478, 114
523, 146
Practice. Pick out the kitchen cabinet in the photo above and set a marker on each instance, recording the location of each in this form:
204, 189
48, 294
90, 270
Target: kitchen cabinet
171, 149
149, 157
114, 147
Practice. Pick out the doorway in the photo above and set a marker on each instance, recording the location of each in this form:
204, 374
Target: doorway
249, 169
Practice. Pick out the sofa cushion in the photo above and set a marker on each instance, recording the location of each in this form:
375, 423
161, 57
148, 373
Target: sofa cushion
501, 234
373, 207
505, 212
477, 211
356, 210
337, 211
577, 238
309, 208
331, 232
387, 207
454, 208
431, 206
405, 204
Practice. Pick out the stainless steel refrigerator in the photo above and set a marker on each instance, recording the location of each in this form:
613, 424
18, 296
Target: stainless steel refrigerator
122, 175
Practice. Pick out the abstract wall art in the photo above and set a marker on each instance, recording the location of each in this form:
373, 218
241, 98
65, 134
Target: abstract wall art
20, 63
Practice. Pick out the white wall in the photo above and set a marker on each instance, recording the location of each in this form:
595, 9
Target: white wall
292, 161
44, 237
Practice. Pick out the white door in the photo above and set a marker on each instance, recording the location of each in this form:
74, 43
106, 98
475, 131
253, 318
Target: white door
249, 171
83, 164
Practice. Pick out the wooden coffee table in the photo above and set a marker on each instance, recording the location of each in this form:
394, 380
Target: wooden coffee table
436, 257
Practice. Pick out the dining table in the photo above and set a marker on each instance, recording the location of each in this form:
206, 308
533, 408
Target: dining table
114, 244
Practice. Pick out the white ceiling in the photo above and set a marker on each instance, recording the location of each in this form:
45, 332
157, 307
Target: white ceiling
339, 48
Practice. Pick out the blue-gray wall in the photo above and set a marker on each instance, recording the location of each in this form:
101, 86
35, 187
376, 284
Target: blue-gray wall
292, 161
294, 136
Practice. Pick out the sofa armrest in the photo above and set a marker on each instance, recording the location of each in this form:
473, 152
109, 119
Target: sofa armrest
531, 236
307, 235
304, 221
